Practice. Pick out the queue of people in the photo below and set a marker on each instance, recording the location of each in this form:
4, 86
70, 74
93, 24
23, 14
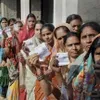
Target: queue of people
40, 61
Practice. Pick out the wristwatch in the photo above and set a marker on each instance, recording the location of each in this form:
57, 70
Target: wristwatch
40, 77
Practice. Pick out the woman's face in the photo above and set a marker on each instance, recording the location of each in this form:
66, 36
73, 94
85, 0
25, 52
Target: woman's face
60, 36
19, 26
4, 23
87, 37
37, 29
97, 54
31, 22
47, 35
75, 24
73, 46
11, 25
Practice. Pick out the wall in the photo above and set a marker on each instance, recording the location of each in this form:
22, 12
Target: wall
89, 10
36, 8
9, 9
63, 8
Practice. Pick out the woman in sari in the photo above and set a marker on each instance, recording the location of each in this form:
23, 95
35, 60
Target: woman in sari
30, 83
74, 53
59, 34
81, 73
95, 52
28, 29
18, 26
72, 46
37, 37
3, 23
75, 21
11, 23
4, 77
3, 26
12, 45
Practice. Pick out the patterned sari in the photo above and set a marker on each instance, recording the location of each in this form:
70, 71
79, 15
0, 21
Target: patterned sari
13, 90
77, 76
4, 78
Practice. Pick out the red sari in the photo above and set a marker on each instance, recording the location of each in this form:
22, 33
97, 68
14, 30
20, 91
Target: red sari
25, 34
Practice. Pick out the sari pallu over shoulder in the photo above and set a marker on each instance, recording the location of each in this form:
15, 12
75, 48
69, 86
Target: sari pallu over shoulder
25, 34
77, 79
74, 69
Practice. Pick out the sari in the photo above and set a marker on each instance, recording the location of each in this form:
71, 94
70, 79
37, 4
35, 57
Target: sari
30, 82
77, 77
25, 34
13, 90
64, 70
55, 95
36, 41
4, 78
4, 81
13, 87
32, 89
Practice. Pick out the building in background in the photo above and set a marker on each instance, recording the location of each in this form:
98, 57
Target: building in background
43, 9
52, 11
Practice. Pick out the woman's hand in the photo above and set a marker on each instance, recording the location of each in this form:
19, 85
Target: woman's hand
25, 49
54, 65
8, 63
34, 60
21, 59
3, 63
4, 34
45, 69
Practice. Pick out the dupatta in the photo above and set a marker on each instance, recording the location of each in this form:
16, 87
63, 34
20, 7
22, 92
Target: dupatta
25, 33
77, 74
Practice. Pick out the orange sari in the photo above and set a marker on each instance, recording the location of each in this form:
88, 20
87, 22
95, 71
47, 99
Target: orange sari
55, 95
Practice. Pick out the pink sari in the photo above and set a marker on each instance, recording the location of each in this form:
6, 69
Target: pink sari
25, 34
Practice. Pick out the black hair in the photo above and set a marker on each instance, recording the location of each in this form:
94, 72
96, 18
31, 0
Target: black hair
11, 20
73, 17
95, 26
94, 46
19, 22
4, 18
70, 34
49, 26
40, 22
62, 27
31, 15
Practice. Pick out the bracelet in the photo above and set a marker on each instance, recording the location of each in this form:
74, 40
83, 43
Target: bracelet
41, 77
